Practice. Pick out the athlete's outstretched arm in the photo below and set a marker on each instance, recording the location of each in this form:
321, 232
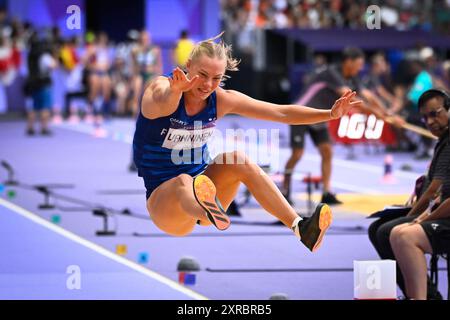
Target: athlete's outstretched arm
373, 105
162, 96
231, 101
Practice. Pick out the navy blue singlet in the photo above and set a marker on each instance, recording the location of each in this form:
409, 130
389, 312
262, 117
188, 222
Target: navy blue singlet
166, 147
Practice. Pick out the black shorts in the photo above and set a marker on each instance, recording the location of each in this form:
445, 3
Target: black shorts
438, 233
319, 134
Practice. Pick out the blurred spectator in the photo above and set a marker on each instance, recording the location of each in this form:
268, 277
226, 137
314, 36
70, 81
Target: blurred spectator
435, 67
379, 81
58, 75
56, 38
5, 28
390, 15
38, 85
402, 15
73, 76
148, 65
99, 61
182, 49
441, 16
122, 79
423, 81
376, 80
5, 71
68, 54
446, 75
426, 70
282, 18
8, 61
148, 57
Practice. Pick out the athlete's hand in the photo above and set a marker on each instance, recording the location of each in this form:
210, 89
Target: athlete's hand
343, 105
180, 82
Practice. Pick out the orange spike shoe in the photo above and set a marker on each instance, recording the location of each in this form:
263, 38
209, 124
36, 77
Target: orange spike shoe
313, 229
205, 194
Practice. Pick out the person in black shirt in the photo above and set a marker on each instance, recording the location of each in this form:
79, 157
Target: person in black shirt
380, 230
327, 84
430, 231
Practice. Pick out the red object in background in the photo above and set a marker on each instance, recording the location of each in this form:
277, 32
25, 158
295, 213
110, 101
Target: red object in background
5, 59
360, 128
74, 55
4, 65
16, 57
10, 58
312, 179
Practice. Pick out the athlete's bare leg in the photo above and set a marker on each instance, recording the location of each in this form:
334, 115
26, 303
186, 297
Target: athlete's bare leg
173, 207
237, 168
175, 210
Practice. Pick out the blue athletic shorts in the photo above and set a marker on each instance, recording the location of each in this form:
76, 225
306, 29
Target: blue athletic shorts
150, 185
42, 99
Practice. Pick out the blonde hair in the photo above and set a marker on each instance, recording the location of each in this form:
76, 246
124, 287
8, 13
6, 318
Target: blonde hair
219, 50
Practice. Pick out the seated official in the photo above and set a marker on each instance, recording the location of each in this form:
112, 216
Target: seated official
433, 106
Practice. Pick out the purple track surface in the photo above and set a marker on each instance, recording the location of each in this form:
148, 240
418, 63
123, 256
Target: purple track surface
248, 261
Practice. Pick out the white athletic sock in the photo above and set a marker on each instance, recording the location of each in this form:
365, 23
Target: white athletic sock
295, 226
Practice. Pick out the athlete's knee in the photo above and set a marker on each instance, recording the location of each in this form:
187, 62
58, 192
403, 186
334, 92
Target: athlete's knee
399, 236
242, 164
237, 158
183, 180
239, 165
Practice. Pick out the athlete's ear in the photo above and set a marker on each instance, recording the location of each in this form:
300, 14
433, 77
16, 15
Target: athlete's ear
188, 64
